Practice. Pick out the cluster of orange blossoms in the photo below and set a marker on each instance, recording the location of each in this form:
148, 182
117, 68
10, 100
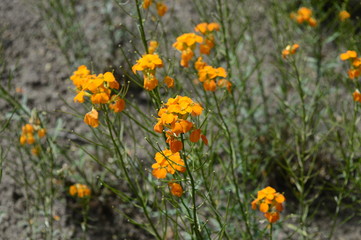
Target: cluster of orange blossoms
173, 122
343, 15
212, 77
304, 15
148, 64
355, 70
161, 7
28, 132
207, 29
186, 43
79, 190
100, 89
269, 202
290, 50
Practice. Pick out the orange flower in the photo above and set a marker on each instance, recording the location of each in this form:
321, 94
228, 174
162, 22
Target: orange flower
175, 189
357, 96
199, 64
41, 132
147, 3
223, 83
207, 30
290, 50
118, 104
79, 190
161, 9
148, 64
348, 55
343, 15
167, 162
153, 45
195, 135
186, 44
91, 118
169, 82
269, 202
304, 15
79, 76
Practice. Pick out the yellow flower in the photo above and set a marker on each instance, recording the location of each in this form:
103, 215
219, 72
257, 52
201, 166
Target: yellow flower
91, 118
343, 15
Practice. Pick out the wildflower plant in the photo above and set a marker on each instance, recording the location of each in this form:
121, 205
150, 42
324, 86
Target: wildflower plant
202, 113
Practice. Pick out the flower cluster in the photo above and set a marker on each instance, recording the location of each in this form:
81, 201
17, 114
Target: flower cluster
167, 162
148, 64
304, 15
211, 77
160, 6
186, 43
101, 89
173, 122
355, 62
343, 15
207, 29
79, 190
290, 50
28, 135
269, 202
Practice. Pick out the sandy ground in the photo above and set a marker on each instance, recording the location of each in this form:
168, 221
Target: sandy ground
41, 71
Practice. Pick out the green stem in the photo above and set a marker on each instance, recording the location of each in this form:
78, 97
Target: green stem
189, 172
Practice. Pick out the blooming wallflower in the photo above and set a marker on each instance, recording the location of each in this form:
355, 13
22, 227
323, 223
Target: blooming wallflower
269, 202
186, 44
173, 117
304, 15
343, 15
79, 190
167, 162
101, 89
208, 76
355, 70
290, 50
148, 64
207, 30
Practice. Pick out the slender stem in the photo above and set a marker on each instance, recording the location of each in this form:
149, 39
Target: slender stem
130, 181
141, 27
189, 172
234, 175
